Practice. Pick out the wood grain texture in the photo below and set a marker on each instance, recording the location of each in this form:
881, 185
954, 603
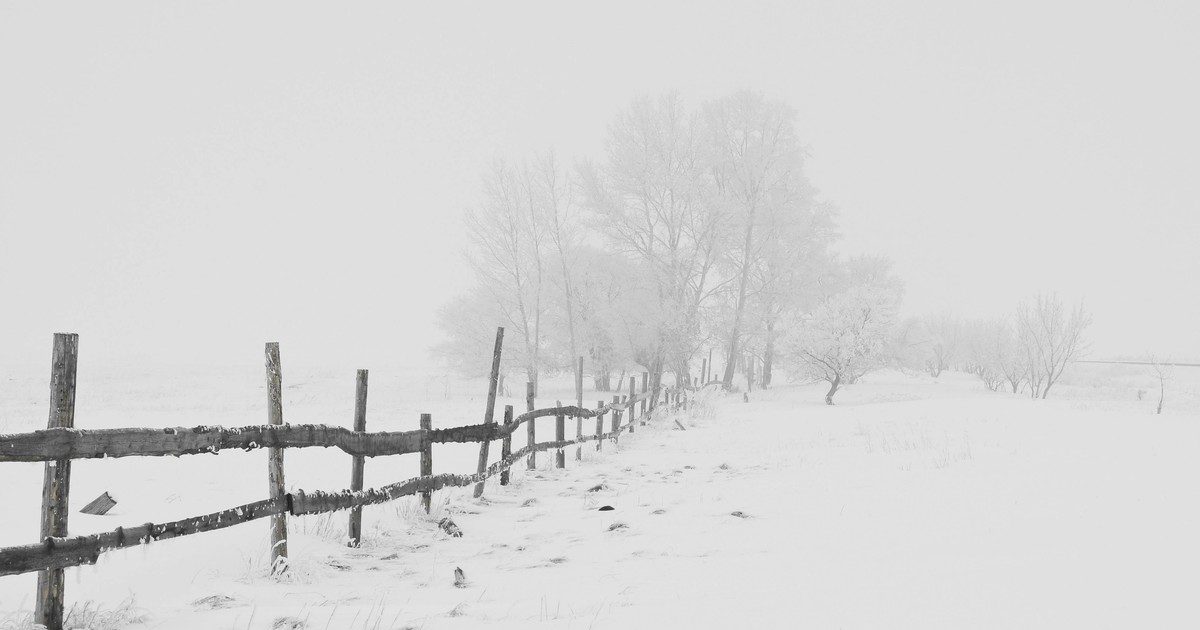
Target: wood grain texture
357, 464
56, 482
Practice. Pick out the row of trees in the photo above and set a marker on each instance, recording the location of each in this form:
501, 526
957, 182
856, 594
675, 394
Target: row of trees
695, 229
1027, 351
698, 229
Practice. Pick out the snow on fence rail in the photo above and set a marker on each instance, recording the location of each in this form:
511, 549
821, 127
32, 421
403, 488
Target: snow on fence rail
61, 443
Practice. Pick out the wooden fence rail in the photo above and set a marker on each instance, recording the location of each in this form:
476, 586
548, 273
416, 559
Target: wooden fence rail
80, 550
60, 443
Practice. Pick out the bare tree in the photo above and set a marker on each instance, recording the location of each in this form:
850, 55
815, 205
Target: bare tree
756, 162
652, 198
508, 234
1051, 339
1163, 371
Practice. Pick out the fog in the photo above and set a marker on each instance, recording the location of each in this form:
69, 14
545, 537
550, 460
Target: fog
181, 183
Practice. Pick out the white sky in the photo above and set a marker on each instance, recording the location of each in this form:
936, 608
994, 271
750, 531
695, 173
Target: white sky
180, 183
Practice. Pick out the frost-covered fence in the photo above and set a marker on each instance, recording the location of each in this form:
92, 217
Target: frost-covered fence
61, 442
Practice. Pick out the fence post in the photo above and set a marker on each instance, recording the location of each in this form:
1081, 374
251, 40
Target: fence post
703, 368
356, 467
490, 410
599, 425
632, 388
279, 550
616, 419
426, 458
708, 374
645, 388
56, 481
530, 429
506, 443
560, 435
579, 403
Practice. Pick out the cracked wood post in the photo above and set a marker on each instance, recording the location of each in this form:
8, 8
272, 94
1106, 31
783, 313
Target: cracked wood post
279, 551
530, 428
599, 425
426, 459
56, 483
506, 443
579, 403
560, 435
616, 419
632, 388
490, 410
356, 466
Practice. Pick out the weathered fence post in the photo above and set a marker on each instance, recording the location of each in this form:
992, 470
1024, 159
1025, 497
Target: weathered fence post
356, 467
579, 403
646, 401
530, 429
506, 443
485, 445
279, 550
703, 368
632, 388
560, 435
599, 426
426, 459
708, 374
616, 419
56, 481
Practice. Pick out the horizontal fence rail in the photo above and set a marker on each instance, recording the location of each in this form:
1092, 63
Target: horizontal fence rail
81, 550
61, 443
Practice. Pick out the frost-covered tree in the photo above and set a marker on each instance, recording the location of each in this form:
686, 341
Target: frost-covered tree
844, 338
510, 254
756, 161
1051, 338
652, 197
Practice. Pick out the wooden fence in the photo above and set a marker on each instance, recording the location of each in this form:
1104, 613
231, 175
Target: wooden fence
61, 442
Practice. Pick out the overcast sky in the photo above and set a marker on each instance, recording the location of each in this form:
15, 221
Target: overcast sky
180, 181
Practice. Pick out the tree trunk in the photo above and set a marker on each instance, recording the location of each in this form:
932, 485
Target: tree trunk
768, 356
743, 281
833, 387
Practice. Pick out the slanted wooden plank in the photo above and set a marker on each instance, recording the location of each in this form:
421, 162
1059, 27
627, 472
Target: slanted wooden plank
100, 505
490, 408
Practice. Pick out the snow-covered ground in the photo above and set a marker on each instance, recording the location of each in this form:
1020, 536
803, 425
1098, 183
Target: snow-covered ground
912, 503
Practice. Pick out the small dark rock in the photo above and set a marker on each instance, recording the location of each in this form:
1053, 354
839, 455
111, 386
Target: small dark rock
607, 508
598, 487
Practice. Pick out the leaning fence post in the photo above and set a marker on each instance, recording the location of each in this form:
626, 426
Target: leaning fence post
560, 435
632, 389
579, 403
279, 550
506, 443
56, 481
599, 425
356, 467
530, 429
616, 419
426, 458
485, 445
